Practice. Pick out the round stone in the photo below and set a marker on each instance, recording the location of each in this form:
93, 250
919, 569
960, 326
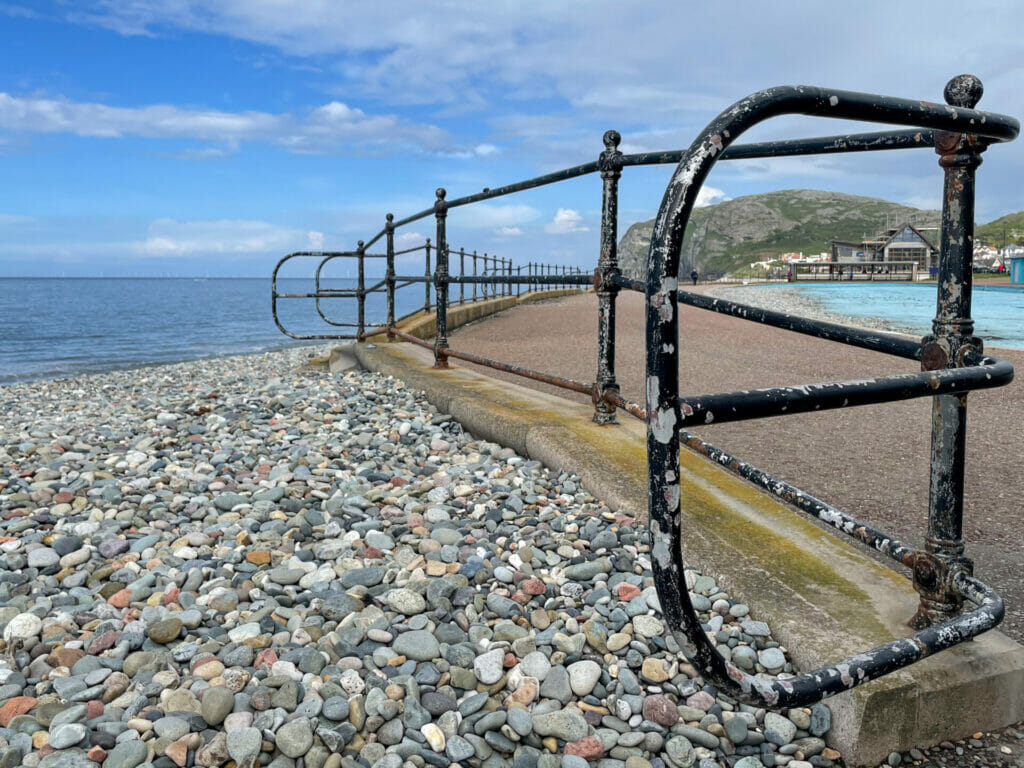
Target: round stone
43, 557
165, 631
67, 735
406, 601
295, 738
419, 645
244, 744
489, 666
772, 659
22, 627
583, 676
680, 751
648, 626
217, 704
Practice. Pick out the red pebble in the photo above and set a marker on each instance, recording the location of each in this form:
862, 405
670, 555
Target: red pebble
120, 599
265, 658
64, 497
589, 748
510, 660
97, 754
93, 709
372, 553
171, 596
626, 591
534, 586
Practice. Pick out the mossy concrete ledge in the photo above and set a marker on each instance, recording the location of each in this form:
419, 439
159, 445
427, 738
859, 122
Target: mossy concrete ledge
824, 598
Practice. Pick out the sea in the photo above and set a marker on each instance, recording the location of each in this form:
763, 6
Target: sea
997, 310
58, 327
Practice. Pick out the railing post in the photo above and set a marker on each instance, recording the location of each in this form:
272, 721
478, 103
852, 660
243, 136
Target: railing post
361, 289
519, 285
426, 285
607, 268
483, 285
441, 282
508, 274
474, 275
951, 339
389, 275
462, 273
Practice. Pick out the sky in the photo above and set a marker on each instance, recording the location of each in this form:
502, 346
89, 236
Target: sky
187, 138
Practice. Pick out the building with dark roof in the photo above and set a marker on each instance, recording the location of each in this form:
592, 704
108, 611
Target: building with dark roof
905, 243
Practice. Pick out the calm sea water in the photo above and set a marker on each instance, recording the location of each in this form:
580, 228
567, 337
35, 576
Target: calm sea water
998, 311
59, 327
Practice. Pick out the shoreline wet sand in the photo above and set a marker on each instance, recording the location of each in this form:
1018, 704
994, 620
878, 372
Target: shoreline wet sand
871, 461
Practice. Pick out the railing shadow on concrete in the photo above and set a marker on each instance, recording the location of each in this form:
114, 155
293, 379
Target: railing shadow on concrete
951, 358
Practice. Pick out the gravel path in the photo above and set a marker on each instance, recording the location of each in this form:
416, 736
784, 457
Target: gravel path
240, 560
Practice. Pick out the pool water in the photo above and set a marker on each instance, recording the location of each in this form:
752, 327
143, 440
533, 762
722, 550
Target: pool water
998, 311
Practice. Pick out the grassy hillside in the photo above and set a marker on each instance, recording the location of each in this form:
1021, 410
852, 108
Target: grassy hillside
1005, 230
730, 235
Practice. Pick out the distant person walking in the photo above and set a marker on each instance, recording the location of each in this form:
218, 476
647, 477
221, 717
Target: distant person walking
694, 276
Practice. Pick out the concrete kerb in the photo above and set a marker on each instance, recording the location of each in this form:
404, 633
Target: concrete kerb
824, 599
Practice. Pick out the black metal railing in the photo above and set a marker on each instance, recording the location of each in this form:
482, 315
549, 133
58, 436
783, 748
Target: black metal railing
480, 277
951, 357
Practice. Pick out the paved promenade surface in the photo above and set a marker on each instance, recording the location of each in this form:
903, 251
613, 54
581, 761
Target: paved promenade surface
870, 461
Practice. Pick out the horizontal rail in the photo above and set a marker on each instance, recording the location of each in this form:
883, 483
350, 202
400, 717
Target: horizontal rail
780, 401
857, 337
551, 279
823, 511
518, 370
823, 145
628, 283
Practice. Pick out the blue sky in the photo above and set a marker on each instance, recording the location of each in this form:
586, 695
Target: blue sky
172, 137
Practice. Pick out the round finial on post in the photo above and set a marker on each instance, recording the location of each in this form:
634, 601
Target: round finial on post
390, 217
440, 193
611, 139
360, 245
964, 91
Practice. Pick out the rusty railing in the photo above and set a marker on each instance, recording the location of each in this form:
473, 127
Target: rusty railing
951, 357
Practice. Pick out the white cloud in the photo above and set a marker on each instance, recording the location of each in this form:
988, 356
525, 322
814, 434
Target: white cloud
566, 221
709, 196
406, 239
508, 231
316, 241
485, 149
486, 216
333, 128
170, 238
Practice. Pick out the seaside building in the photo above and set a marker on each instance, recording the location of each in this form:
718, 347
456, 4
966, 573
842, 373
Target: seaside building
903, 243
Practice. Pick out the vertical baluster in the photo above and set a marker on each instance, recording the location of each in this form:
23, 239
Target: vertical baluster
361, 290
610, 163
389, 275
441, 282
426, 285
952, 337
462, 273
474, 275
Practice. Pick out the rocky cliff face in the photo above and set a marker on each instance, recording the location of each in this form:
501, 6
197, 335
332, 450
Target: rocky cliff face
722, 237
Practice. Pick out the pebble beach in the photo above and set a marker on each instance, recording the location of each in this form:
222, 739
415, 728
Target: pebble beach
247, 561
